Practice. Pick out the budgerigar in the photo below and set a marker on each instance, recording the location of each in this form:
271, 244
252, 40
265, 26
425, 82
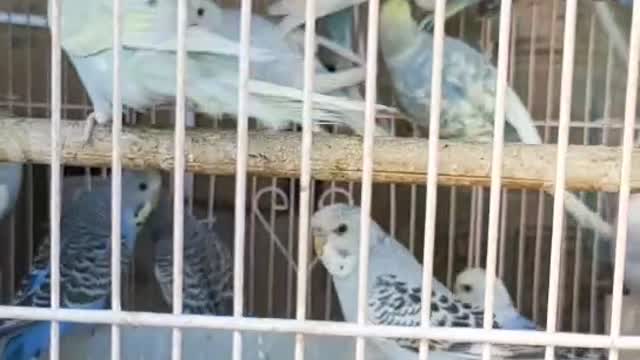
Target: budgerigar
394, 286
468, 92
84, 260
470, 286
208, 266
288, 68
148, 65
10, 184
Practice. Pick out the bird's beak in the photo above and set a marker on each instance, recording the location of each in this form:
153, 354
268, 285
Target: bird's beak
144, 213
319, 241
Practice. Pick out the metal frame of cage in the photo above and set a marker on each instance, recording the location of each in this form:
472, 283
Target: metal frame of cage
301, 326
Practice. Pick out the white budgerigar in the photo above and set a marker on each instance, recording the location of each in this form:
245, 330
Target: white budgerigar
288, 68
148, 65
468, 92
470, 286
395, 285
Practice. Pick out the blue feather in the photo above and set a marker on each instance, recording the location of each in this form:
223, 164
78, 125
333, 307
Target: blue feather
518, 322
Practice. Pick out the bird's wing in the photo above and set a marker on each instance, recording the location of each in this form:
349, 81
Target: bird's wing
393, 301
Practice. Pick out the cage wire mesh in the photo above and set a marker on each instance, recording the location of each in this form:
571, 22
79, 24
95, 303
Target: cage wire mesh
272, 204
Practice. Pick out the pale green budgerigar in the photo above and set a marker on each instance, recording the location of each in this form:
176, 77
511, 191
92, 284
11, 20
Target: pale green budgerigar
288, 68
148, 65
468, 92
394, 287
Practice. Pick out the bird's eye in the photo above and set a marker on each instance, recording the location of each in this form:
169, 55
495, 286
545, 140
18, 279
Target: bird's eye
142, 186
467, 288
200, 11
341, 229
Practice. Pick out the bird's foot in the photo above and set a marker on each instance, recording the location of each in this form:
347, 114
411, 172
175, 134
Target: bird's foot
90, 124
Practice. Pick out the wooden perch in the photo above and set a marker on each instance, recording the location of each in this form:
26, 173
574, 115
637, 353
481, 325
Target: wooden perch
335, 157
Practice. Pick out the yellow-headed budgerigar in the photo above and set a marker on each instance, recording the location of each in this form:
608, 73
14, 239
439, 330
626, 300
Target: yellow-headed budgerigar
148, 65
394, 287
468, 92
85, 260
208, 265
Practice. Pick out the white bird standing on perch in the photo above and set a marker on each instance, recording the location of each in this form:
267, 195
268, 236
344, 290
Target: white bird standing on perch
148, 65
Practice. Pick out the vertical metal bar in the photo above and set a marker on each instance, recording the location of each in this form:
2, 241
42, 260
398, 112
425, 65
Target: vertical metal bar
432, 171
594, 313
496, 167
531, 81
305, 171
179, 175
577, 268
56, 171
541, 206
367, 166
116, 178
625, 172
451, 243
563, 142
241, 172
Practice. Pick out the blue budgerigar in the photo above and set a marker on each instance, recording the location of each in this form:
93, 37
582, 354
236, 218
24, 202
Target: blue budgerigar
468, 92
208, 265
84, 260
148, 65
394, 287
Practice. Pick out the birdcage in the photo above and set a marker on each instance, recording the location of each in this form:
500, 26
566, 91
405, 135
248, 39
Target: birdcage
567, 61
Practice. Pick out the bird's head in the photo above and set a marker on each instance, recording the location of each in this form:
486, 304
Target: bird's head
398, 29
336, 237
205, 13
140, 194
470, 287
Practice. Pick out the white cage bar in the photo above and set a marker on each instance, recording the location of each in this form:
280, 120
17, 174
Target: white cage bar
476, 249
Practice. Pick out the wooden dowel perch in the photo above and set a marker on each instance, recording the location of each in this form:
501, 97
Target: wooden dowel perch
335, 157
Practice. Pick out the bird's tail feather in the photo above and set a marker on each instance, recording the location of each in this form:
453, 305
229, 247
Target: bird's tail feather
328, 82
587, 217
519, 117
278, 105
